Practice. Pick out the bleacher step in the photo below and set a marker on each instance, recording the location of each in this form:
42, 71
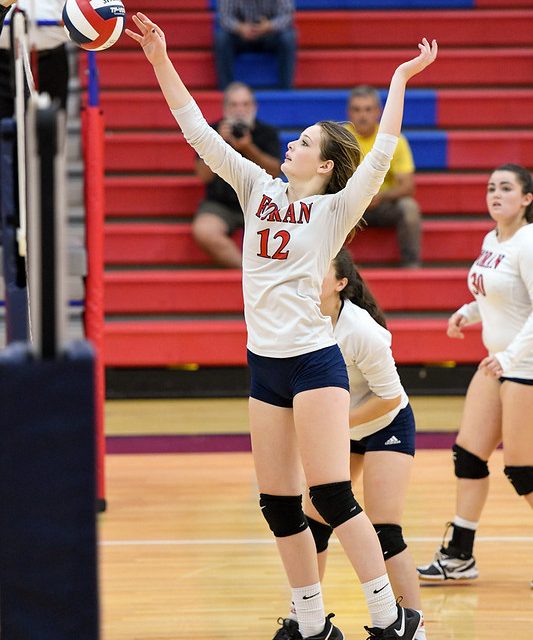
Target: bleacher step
216, 291
166, 244
145, 196
223, 343
355, 29
464, 108
346, 68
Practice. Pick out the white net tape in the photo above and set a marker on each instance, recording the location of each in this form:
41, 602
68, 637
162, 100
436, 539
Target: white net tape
23, 78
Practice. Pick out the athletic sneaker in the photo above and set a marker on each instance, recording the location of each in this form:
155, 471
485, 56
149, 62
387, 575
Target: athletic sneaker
446, 567
330, 631
405, 627
288, 630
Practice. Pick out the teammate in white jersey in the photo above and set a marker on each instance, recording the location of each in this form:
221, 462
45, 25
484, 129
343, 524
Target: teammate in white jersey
382, 429
499, 401
299, 398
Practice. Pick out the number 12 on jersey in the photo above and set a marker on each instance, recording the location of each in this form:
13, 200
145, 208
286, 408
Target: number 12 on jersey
277, 244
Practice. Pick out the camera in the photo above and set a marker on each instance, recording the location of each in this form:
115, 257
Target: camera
239, 129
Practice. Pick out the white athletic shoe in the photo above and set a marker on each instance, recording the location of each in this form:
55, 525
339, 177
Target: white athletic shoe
445, 567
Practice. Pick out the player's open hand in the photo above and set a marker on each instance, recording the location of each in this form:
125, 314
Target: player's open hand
151, 38
427, 55
491, 367
455, 325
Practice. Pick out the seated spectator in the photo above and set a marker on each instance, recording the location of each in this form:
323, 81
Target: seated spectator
255, 25
394, 205
220, 214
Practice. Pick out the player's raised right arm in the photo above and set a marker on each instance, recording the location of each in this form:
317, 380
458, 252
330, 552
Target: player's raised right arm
152, 40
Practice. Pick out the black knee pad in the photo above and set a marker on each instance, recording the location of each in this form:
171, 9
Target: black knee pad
468, 465
391, 539
521, 478
284, 514
321, 533
335, 502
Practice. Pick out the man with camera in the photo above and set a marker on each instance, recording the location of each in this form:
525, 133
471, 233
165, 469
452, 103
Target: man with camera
220, 214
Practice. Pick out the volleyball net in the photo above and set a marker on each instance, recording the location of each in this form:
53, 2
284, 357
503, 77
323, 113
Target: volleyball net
35, 221
50, 407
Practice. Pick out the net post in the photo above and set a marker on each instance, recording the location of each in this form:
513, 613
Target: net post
47, 231
93, 155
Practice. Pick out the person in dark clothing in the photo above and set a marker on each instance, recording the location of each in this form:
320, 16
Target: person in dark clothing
255, 25
220, 214
4, 8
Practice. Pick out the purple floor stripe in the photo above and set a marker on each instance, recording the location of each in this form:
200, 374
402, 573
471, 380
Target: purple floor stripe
229, 442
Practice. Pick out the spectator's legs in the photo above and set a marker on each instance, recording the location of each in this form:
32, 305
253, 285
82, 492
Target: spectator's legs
404, 214
409, 232
6, 89
225, 47
283, 44
53, 73
286, 51
52, 78
212, 234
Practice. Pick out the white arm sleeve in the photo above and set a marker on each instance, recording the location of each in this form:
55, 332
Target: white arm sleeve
522, 343
471, 312
351, 202
373, 358
220, 157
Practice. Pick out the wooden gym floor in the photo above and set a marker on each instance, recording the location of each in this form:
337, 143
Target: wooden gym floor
185, 553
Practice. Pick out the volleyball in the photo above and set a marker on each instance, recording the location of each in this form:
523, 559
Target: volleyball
94, 24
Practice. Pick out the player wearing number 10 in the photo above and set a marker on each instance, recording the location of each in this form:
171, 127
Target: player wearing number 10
299, 402
499, 401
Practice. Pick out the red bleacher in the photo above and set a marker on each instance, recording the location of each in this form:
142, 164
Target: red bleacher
159, 343
327, 68
155, 269
170, 244
164, 292
456, 108
355, 29
178, 196
169, 152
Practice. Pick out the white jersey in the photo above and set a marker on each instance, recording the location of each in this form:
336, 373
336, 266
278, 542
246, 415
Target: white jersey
45, 37
366, 349
501, 281
287, 247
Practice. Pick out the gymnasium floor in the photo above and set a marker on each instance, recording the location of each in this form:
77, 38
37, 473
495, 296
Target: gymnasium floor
185, 552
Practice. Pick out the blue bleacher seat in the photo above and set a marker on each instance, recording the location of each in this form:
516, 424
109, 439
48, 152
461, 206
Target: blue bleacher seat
329, 5
301, 108
429, 147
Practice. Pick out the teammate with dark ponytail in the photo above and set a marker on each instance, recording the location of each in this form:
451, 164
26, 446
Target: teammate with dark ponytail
382, 429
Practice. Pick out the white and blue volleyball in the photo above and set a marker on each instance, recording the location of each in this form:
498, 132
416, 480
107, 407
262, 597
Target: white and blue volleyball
94, 24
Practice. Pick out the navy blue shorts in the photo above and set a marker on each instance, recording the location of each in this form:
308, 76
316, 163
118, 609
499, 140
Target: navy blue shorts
278, 380
517, 380
398, 436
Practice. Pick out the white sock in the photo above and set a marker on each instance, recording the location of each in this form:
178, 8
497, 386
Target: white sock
309, 608
466, 524
380, 601
292, 613
421, 633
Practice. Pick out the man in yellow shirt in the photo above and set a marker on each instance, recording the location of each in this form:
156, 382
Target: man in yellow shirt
394, 205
